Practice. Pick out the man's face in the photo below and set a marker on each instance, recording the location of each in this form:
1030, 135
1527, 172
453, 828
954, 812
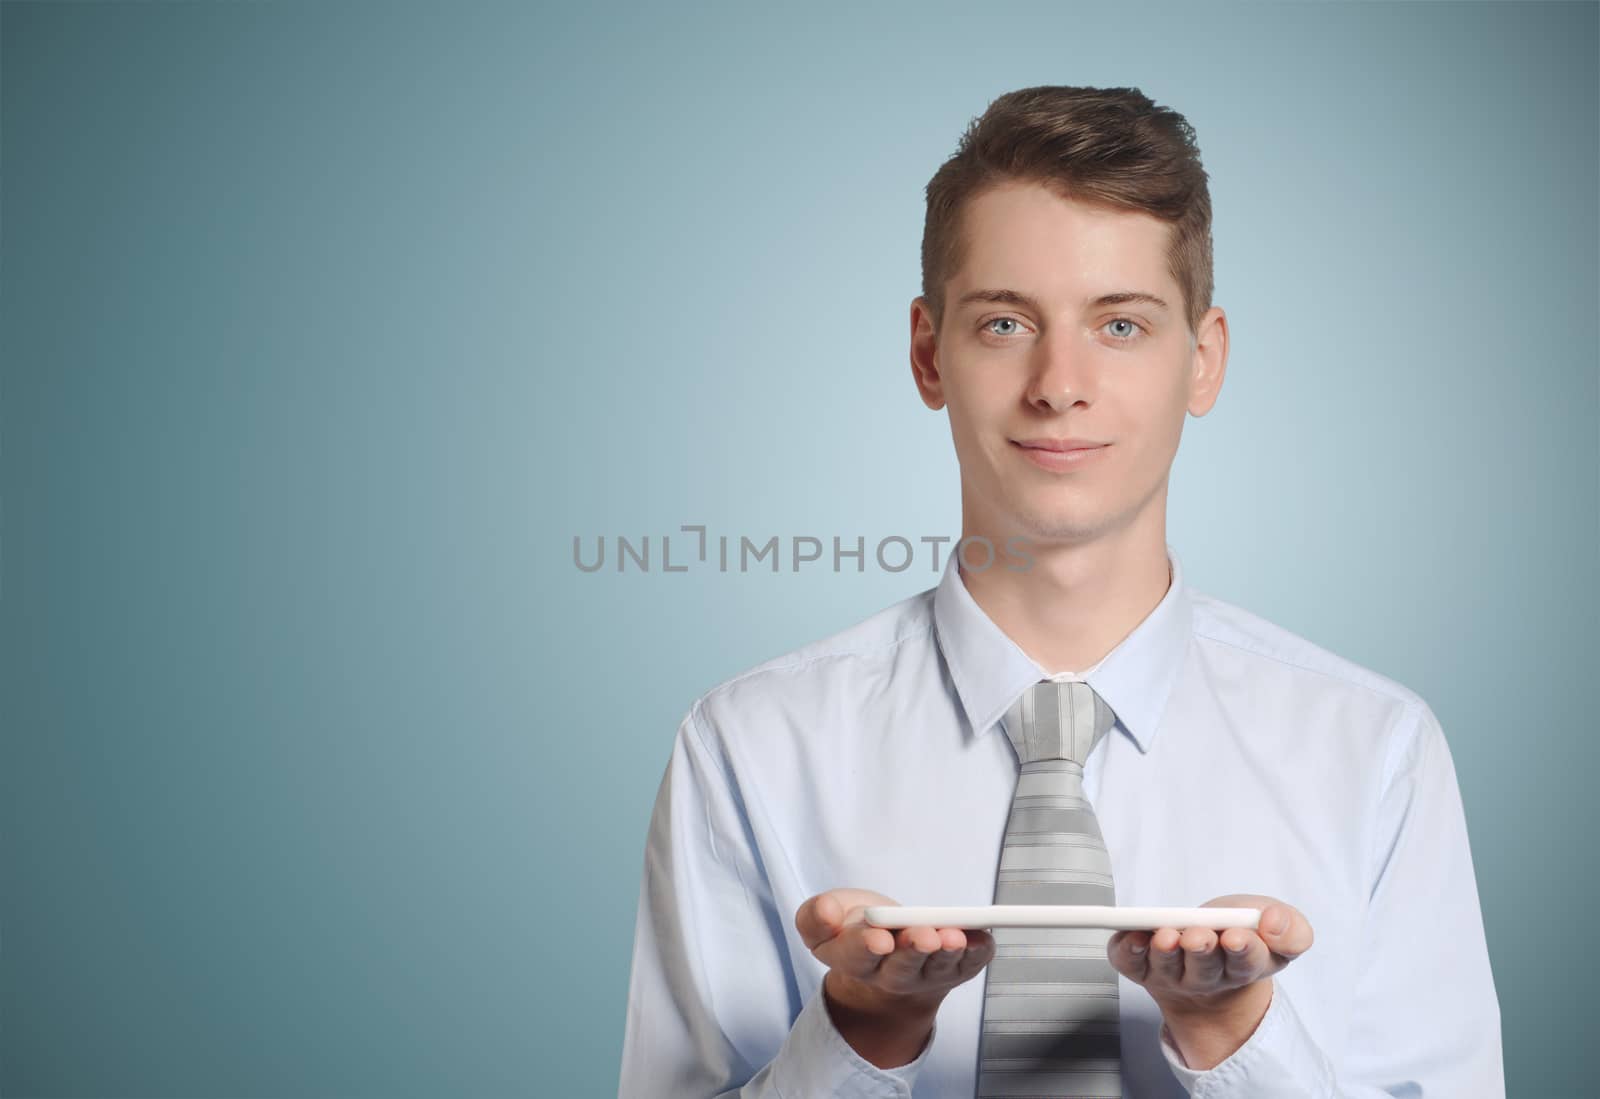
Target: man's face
1063, 365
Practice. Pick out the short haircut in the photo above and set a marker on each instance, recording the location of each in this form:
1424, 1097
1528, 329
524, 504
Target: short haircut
1109, 147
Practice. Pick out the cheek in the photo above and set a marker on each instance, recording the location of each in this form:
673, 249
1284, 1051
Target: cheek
972, 415
1162, 408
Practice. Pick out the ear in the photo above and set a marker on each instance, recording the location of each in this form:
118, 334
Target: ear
1208, 361
925, 354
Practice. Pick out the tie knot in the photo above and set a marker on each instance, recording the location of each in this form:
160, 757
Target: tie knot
1058, 720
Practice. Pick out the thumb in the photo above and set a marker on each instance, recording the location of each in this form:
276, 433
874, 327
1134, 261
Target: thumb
1285, 932
825, 915
819, 919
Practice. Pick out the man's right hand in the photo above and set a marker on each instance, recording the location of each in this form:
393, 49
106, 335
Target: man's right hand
884, 986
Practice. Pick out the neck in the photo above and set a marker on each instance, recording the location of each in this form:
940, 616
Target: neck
1075, 602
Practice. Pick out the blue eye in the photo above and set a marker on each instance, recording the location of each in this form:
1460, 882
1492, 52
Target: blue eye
998, 320
1125, 320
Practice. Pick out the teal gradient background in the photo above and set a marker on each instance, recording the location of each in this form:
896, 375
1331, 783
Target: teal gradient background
326, 328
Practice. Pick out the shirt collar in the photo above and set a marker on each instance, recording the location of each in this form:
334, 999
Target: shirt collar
990, 670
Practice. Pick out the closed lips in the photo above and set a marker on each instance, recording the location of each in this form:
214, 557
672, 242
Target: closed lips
1059, 444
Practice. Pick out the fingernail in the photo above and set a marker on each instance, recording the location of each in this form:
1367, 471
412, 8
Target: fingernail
1278, 924
1237, 949
1137, 948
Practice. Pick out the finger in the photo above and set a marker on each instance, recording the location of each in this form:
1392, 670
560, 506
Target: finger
980, 952
819, 920
881, 944
1202, 961
1166, 957
1266, 950
839, 941
856, 949
942, 965
913, 947
1129, 953
878, 942
823, 916
1286, 931
952, 938
1245, 957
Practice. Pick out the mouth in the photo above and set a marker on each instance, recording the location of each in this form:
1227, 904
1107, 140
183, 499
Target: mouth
1061, 456
1059, 443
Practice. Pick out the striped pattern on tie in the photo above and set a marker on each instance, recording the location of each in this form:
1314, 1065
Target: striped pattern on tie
1051, 1005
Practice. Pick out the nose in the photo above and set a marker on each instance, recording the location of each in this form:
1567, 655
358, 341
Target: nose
1061, 373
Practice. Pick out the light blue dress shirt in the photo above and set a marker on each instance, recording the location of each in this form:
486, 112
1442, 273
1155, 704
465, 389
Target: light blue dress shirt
1245, 759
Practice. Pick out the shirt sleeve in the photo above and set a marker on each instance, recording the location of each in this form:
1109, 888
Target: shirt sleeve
1425, 1018
713, 1006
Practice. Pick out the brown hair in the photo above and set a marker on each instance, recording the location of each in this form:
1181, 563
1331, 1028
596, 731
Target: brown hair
1106, 146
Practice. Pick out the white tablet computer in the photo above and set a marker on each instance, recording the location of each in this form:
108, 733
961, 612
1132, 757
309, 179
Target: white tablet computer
1115, 917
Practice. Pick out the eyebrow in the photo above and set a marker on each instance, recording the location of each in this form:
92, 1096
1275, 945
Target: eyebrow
1015, 297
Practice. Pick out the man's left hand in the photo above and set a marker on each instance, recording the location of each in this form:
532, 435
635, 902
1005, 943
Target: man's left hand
1213, 987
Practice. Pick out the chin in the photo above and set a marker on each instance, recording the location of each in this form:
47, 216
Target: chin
1051, 524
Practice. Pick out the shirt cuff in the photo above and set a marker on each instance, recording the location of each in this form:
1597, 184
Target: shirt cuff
816, 1060
1280, 1058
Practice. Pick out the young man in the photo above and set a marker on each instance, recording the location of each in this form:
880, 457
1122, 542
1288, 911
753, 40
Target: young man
1062, 719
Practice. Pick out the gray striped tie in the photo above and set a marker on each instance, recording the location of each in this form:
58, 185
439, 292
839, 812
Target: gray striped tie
1050, 1007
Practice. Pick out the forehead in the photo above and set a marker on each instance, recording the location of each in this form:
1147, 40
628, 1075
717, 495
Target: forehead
1023, 235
